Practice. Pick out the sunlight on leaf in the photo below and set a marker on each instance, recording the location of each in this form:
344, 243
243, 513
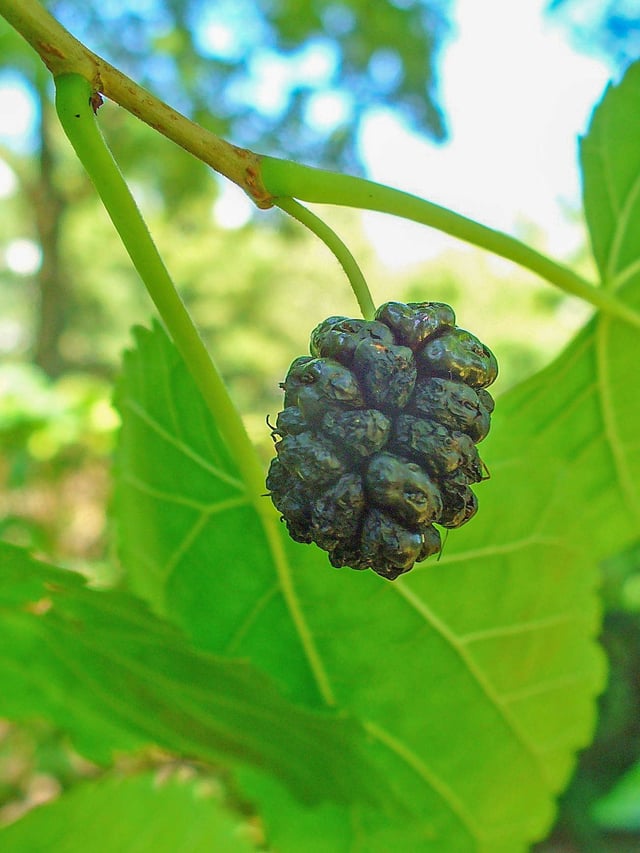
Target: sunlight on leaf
610, 157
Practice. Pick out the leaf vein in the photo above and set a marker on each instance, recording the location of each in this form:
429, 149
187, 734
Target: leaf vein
516, 629
474, 670
497, 550
610, 427
547, 686
622, 222
626, 274
195, 530
144, 416
245, 626
168, 497
409, 757
285, 579
607, 168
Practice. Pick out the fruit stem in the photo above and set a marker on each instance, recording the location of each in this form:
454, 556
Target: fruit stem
286, 178
339, 249
73, 103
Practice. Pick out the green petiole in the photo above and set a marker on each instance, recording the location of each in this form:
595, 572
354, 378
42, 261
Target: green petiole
286, 178
339, 249
73, 103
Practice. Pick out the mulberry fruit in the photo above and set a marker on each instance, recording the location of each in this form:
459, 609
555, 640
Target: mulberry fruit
376, 443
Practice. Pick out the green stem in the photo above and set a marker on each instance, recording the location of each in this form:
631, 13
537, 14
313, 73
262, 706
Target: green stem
73, 93
267, 178
339, 249
286, 178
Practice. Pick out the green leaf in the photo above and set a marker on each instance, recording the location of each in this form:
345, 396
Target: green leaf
475, 675
101, 667
610, 156
143, 813
619, 810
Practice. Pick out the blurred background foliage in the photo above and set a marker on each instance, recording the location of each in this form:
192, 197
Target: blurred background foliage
610, 27
293, 79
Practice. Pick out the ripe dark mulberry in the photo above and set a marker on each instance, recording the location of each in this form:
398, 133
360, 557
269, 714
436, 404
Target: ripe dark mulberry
376, 443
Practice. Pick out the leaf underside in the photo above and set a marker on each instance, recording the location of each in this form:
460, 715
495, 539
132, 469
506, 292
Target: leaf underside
475, 675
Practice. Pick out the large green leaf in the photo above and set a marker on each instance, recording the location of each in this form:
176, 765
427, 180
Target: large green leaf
115, 677
610, 156
475, 675
140, 813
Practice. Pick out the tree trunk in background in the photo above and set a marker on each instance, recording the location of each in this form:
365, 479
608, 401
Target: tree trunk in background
51, 281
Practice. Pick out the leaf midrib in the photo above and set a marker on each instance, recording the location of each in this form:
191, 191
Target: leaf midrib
609, 420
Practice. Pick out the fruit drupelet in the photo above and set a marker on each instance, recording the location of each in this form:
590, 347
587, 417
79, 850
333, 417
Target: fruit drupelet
376, 443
